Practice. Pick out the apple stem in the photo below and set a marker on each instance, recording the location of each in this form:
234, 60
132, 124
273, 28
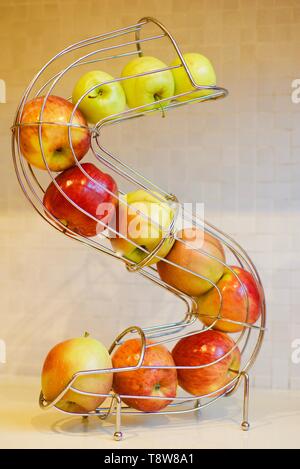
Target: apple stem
156, 97
96, 94
86, 334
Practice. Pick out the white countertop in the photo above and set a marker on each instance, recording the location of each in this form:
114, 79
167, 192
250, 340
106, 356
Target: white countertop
274, 418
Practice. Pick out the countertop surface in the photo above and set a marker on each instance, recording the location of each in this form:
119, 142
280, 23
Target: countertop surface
274, 418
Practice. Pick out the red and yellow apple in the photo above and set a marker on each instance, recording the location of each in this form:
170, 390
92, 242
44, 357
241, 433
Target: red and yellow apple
203, 349
237, 294
54, 133
144, 382
90, 195
142, 218
202, 72
68, 358
185, 254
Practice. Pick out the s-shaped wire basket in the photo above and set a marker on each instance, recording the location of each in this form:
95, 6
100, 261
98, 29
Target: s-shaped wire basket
107, 47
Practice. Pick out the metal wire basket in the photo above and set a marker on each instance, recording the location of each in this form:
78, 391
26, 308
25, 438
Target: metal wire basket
113, 46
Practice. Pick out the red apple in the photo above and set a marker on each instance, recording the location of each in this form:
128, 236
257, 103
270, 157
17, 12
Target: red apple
55, 138
202, 349
144, 382
234, 301
185, 254
70, 357
91, 196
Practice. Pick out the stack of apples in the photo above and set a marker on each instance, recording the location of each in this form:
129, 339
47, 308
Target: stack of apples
55, 134
144, 388
55, 137
203, 363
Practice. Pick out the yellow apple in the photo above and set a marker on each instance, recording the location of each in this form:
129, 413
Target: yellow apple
202, 72
132, 222
68, 358
149, 88
102, 101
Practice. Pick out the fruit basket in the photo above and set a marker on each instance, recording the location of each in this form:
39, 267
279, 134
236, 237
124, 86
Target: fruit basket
213, 277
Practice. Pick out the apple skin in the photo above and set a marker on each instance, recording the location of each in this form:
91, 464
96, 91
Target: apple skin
234, 301
102, 101
55, 138
144, 382
147, 89
186, 256
201, 349
70, 357
202, 72
90, 196
140, 230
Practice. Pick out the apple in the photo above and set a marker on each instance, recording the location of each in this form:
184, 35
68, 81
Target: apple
132, 222
144, 382
234, 301
55, 138
202, 72
102, 101
184, 253
91, 196
202, 349
70, 357
147, 89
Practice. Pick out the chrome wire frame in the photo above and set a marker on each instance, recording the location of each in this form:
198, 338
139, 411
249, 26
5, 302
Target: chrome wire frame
34, 190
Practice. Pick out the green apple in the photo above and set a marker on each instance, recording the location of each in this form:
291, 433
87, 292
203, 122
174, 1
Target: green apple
202, 72
102, 101
133, 222
147, 89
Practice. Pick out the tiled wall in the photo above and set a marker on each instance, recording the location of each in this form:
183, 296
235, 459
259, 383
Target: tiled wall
241, 156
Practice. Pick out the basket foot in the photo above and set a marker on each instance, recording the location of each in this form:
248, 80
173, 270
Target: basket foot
245, 426
118, 436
